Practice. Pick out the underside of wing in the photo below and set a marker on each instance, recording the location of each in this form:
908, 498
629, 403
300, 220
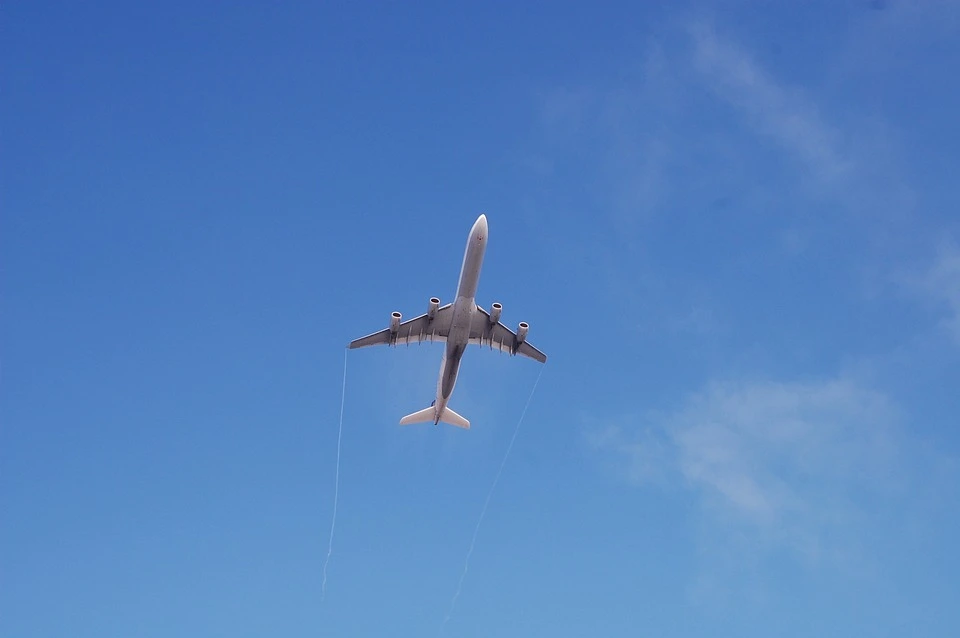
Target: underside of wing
486, 331
432, 326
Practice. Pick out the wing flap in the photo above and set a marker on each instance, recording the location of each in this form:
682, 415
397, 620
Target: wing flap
497, 336
416, 330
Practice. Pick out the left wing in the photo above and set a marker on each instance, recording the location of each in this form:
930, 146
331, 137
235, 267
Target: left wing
496, 335
416, 330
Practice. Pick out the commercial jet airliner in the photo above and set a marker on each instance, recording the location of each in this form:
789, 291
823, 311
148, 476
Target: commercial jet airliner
458, 324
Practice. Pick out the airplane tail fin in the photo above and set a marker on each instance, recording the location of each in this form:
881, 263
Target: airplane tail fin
429, 415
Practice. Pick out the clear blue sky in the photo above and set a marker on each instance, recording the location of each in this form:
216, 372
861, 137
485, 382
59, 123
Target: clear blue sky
734, 232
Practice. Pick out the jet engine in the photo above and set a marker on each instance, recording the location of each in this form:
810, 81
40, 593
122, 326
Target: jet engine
432, 308
522, 330
495, 311
395, 322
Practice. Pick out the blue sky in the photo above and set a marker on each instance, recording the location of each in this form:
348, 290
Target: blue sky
734, 231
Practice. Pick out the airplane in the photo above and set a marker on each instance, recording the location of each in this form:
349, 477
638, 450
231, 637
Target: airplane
458, 324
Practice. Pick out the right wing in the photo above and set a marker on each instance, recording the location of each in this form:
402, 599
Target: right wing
496, 335
416, 330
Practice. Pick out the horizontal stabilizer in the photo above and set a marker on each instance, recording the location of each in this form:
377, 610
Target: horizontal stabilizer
429, 415
451, 417
426, 415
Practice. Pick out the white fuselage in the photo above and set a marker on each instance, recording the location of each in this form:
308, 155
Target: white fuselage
464, 308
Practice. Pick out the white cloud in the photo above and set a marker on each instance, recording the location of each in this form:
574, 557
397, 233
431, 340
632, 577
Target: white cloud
783, 113
643, 150
784, 463
849, 159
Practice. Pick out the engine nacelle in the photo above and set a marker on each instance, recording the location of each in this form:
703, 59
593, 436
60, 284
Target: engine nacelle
522, 330
495, 311
395, 321
432, 308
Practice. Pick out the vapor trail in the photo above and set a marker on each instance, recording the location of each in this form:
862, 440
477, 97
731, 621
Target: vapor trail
486, 503
336, 489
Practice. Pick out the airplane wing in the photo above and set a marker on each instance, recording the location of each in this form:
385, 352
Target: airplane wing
496, 335
416, 330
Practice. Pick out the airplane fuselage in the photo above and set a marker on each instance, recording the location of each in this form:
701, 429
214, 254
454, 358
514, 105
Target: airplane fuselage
464, 309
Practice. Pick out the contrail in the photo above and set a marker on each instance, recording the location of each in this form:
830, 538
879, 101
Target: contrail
483, 512
336, 489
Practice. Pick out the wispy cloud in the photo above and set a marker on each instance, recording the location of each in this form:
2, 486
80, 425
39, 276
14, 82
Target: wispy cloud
784, 462
786, 114
824, 472
848, 159
704, 129
829, 478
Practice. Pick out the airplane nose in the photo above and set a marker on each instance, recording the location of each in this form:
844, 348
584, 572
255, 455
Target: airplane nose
480, 227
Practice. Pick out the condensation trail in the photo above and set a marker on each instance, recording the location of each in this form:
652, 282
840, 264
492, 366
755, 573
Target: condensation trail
336, 489
483, 512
